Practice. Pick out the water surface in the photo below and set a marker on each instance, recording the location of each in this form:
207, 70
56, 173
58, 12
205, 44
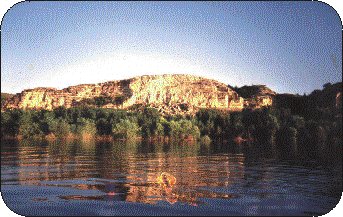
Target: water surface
116, 178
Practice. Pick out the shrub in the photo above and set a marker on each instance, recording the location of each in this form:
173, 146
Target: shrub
118, 100
103, 127
60, 127
148, 120
159, 130
28, 128
183, 128
126, 129
86, 128
287, 136
206, 140
47, 122
10, 122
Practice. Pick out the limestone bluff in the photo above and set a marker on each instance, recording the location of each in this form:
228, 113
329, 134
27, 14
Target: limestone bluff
170, 94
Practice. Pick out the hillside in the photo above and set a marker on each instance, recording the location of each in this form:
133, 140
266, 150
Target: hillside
5, 96
256, 96
308, 105
170, 94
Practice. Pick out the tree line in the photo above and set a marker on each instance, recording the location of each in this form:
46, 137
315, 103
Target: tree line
267, 125
88, 121
292, 122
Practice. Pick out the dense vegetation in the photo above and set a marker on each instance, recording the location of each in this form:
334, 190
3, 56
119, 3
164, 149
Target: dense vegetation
87, 121
5, 96
295, 122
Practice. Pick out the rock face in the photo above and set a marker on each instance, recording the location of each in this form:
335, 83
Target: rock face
256, 96
170, 94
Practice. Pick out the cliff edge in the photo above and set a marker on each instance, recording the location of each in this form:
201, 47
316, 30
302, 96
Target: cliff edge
170, 94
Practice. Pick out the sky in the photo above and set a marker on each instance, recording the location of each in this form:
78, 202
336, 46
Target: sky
292, 47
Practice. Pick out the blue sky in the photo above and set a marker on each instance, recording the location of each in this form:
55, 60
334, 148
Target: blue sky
292, 47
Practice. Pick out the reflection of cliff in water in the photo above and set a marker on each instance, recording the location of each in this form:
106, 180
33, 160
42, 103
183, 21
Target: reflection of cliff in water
194, 176
120, 171
128, 171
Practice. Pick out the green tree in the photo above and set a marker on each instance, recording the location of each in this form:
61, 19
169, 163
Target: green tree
60, 112
235, 127
47, 122
28, 128
60, 127
102, 113
148, 120
159, 129
115, 116
12, 125
73, 114
5, 123
103, 127
102, 100
287, 136
175, 129
88, 113
182, 129
213, 122
86, 127
126, 129
118, 100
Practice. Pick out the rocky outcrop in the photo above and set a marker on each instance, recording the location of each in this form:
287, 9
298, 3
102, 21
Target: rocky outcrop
256, 96
170, 94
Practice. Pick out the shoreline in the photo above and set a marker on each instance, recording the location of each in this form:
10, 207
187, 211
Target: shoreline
108, 138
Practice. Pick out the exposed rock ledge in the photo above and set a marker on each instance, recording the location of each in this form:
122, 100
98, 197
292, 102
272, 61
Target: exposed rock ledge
170, 94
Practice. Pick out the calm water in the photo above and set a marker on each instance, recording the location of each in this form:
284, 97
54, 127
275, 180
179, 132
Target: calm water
105, 178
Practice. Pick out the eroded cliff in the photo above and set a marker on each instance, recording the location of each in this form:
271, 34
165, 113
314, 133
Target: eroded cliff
170, 94
256, 96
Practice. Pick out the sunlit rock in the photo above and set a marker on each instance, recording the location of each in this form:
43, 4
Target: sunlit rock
170, 94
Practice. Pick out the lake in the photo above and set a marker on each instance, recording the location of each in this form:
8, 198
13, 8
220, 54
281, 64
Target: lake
117, 178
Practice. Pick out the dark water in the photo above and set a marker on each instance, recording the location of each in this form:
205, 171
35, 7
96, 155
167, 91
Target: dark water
105, 178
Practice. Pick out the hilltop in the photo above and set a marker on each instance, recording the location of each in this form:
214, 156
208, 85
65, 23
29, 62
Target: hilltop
170, 94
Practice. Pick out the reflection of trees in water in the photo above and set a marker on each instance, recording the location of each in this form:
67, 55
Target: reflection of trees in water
137, 166
32, 162
191, 174
114, 157
128, 171
112, 164
10, 158
133, 168
146, 147
55, 160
